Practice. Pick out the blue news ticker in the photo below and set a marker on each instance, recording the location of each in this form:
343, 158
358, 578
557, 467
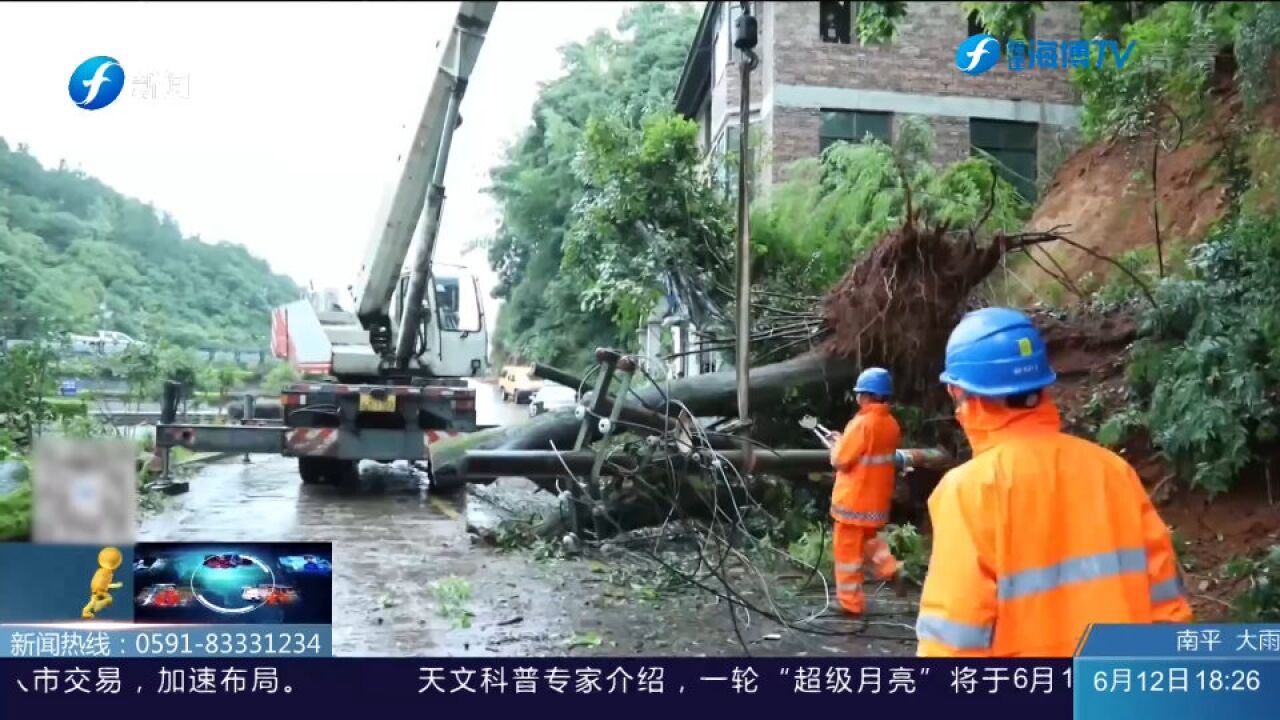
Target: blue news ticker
1177, 671
166, 641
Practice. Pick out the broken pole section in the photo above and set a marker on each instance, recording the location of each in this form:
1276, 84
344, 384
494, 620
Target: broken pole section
551, 464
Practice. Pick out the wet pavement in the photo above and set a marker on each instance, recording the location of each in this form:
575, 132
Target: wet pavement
410, 580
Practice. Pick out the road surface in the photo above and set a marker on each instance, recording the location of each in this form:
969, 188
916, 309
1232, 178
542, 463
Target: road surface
391, 545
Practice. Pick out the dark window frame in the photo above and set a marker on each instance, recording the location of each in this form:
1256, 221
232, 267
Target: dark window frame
839, 30
1011, 155
826, 137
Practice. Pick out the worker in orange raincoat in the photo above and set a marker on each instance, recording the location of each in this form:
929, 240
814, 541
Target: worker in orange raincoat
863, 459
1041, 533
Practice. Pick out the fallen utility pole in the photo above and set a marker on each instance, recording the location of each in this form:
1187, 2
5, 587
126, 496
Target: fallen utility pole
481, 464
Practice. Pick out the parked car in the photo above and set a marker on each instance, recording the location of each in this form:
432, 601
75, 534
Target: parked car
552, 397
518, 383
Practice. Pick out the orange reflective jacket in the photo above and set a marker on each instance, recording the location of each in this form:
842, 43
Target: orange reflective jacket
863, 459
1036, 537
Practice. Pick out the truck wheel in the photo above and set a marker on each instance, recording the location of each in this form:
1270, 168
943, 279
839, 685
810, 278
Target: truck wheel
344, 473
311, 470
328, 471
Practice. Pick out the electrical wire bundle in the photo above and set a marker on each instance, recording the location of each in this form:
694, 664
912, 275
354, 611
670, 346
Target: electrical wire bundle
727, 520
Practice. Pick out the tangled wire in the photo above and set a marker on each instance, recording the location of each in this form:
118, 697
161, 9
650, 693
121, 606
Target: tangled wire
718, 514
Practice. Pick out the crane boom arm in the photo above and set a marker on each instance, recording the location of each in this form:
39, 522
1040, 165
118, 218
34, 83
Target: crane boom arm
421, 183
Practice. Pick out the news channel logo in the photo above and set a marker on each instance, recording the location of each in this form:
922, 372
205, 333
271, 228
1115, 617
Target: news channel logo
96, 82
979, 53
100, 81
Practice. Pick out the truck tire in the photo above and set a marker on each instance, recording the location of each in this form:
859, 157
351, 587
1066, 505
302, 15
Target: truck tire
311, 470
328, 471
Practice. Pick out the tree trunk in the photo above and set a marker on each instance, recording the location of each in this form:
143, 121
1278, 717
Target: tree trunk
712, 395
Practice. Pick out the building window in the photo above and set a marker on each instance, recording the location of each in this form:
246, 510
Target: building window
835, 21
704, 117
732, 135
1013, 148
854, 126
977, 28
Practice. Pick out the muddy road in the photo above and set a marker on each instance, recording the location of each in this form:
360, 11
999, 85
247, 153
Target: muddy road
409, 579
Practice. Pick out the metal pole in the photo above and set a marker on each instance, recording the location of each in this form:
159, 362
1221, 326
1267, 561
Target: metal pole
743, 362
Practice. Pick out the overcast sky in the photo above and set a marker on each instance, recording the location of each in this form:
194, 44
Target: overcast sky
293, 117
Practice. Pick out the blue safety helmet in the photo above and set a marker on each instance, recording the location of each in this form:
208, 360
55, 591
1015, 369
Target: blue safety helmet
997, 352
876, 381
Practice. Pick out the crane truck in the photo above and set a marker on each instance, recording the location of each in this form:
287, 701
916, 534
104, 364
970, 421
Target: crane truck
395, 370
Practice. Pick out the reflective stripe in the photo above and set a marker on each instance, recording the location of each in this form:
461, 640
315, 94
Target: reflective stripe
1075, 570
849, 587
1170, 589
849, 567
961, 636
877, 460
852, 515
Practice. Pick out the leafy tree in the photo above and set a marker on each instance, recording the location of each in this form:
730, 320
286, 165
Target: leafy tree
622, 76
70, 245
835, 207
142, 367
1005, 19
278, 376
647, 211
27, 377
228, 377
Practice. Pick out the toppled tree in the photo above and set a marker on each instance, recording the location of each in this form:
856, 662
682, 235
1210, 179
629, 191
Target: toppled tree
887, 207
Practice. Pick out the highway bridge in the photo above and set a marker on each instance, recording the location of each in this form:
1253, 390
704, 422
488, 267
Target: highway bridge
248, 358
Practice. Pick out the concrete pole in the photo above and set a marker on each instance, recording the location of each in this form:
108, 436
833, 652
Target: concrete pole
745, 41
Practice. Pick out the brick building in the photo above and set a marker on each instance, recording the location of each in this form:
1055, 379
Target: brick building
816, 85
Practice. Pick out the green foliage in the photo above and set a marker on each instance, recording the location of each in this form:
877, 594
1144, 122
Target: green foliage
910, 548
278, 377
228, 378
1004, 19
1108, 19
1210, 362
28, 374
622, 77
1260, 601
69, 245
1172, 63
834, 208
647, 176
140, 366
1257, 38
1263, 156
1166, 67
1119, 427
877, 22
1118, 288
813, 548
15, 514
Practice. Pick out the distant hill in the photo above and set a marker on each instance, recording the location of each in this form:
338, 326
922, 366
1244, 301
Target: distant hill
68, 243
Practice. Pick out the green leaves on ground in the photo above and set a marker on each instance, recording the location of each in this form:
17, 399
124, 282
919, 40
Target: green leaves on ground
910, 548
1260, 600
453, 594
